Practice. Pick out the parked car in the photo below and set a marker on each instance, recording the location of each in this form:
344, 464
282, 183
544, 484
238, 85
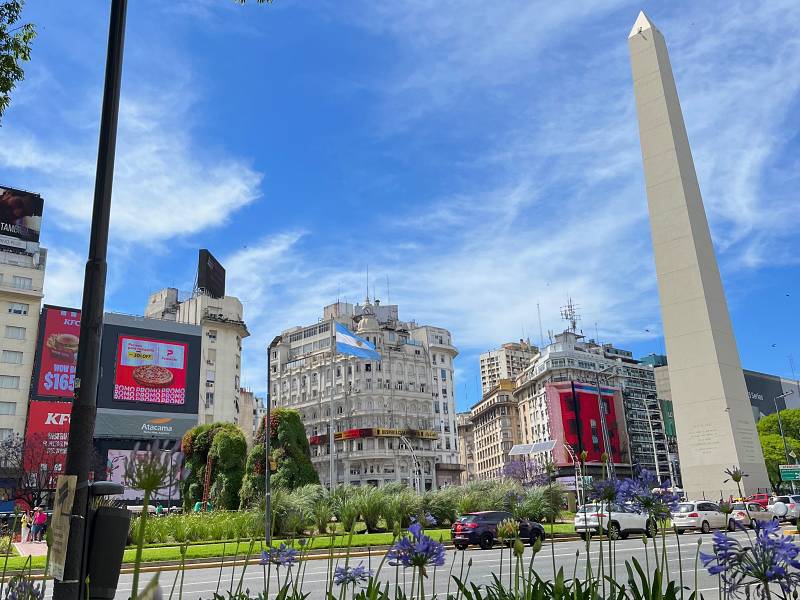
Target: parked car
748, 513
481, 528
762, 499
792, 507
698, 514
618, 522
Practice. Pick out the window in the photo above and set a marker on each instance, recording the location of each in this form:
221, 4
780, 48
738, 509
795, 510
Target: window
23, 283
212, 335
9, 382
368, 367
444, 375
12, 357
8, 408
6, 434
17, 308
209, 399
210, 374
212, 355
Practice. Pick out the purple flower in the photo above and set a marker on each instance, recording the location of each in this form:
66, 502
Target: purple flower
20, 588
428, 519
351, 575
606, 491
416, 550
649, 497
282, 556
770, 559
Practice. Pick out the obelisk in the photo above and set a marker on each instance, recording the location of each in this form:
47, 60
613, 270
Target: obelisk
713, 418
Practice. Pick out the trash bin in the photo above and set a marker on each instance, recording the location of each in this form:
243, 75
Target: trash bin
108, 535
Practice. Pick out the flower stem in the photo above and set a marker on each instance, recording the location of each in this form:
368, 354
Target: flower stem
137, 563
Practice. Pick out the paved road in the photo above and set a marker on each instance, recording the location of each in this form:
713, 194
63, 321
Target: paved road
201, 583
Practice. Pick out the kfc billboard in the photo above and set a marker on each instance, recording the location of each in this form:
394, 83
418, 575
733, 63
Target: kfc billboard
47, 436
150, 371
20, 218
56, 353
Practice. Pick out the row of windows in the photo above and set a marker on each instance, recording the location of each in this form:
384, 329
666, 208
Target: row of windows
21, 283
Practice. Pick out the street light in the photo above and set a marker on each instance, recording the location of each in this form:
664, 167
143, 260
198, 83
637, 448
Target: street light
417, 464
652, 435
780, 427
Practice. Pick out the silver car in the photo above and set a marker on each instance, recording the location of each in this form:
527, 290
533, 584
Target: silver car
698, 514
792, 504
746, 514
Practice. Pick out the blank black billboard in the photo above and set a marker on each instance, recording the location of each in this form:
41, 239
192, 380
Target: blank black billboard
210, 275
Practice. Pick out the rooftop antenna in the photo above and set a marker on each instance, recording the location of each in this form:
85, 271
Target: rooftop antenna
388, 295
367, 283
596, 334
570, 314
541, 335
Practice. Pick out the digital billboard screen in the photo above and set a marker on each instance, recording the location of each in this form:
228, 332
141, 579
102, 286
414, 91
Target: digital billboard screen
56, 353
149, 365
20, 217
151, 371
210, 275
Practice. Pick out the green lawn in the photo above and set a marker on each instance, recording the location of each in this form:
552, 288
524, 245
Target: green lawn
215, 550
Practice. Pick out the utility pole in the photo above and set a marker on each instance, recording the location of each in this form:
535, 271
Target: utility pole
84, 405
780, 427
267, 442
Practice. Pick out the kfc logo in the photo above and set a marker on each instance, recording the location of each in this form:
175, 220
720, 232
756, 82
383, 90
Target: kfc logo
57, 419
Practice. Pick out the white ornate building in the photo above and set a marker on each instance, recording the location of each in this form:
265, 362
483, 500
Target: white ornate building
393, 419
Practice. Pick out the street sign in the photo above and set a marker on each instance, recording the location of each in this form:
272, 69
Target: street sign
790, 472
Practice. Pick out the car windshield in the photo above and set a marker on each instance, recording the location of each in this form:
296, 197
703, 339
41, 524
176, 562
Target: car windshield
738, 506
784, 499
795, 498
588, 508
685, 508
468, 519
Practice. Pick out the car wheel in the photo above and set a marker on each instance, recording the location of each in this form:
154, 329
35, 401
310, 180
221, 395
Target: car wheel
679, 531
487, 541
613, 531
460, 546
586, 535
731, 525
624, 535
705, 527
652, 529
535, 535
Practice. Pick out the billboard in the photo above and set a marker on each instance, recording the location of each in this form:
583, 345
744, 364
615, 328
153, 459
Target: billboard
115, 471
56, 353
210, 275
149, 365
47, 436
575, 417
20, 218
150, 370
764, 389
134, 424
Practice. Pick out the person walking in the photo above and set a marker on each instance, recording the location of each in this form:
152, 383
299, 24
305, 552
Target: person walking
39, 521
25, 531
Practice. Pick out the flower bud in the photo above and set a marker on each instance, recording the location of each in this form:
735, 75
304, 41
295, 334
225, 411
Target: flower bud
537, 545
519, 548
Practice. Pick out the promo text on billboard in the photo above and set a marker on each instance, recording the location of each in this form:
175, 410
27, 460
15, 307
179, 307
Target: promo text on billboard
150, 371
47, 436
58, 352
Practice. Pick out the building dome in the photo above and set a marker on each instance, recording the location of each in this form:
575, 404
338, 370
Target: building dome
368, 322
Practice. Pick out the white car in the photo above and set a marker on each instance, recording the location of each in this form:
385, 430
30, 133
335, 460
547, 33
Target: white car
747, 514
618, 523
699, 514
792, 507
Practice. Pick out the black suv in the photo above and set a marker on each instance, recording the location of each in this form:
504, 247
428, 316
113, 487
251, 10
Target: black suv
481, 528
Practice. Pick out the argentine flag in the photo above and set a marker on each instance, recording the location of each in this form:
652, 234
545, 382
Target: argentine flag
348, 342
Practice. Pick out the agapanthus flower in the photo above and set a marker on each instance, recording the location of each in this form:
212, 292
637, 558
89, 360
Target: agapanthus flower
772, 558
606, 491
351, 575
20, 588
649, 497
427, 519
416, 550
282, 556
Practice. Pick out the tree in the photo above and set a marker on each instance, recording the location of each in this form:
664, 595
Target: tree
790, 419
290, 463
226, 446
774, 454
33, 466
15, 48
526, 471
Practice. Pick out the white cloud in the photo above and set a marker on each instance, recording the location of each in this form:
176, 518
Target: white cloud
63, 282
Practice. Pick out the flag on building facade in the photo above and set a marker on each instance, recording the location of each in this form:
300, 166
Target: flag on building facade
348, 342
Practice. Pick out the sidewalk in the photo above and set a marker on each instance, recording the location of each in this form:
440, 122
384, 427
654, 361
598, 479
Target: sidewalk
31, 548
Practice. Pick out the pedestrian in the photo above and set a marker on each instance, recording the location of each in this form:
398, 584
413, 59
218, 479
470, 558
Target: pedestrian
159, 510
39, 523
25, 531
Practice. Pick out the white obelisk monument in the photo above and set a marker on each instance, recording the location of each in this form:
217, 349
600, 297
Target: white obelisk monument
713, 418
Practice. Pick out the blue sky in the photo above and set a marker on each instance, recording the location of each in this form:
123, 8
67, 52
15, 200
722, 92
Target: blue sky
483, 155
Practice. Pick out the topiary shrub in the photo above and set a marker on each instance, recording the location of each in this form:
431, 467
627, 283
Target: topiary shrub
227, 446
291, 458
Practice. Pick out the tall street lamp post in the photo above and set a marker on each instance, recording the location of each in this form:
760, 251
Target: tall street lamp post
87, 370
780, 428
603, 425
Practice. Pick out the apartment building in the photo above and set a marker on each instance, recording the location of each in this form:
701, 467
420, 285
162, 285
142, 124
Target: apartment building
506, 362
21, 293
392, 419
222, 322
466, 447
496, 429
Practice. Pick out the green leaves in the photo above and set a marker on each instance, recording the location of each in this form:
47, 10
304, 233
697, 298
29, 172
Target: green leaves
15, 48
